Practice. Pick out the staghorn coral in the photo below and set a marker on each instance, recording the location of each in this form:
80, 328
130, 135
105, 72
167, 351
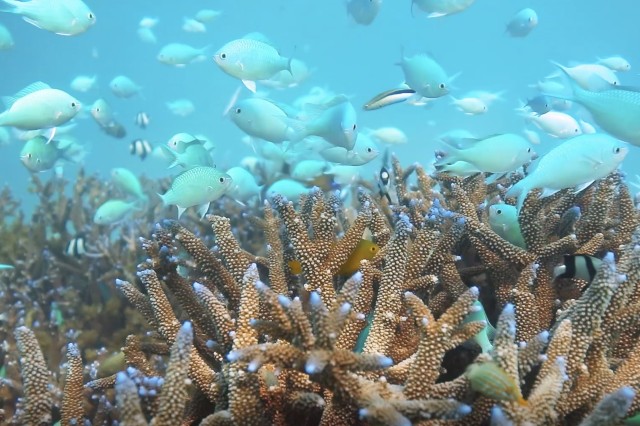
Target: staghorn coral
388, 345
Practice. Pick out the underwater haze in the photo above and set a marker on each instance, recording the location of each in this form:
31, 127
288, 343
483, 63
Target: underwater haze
346, 58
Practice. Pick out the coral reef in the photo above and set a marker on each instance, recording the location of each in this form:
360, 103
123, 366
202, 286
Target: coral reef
233, 336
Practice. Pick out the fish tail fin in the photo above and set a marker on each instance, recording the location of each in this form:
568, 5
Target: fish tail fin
171, 155
163, 197
520, 191
289, 65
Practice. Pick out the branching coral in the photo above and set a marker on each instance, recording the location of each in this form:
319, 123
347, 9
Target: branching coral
236, 337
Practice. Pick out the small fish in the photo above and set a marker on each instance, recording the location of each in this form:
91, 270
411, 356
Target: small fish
575, 163
194, 154
244, 186
522, 23
289, 78
364, 151
615, 109
76, 247
388, 135
425, 75
38, 106
250, 60
503, 219
146, 35
439, 8
459, 168
181, 107
363, 12
616, 63
39, 154
334, 121
384, 178
495, 154
470, 105
83, 83
5, 267
198, 186
191, 25
180, 141
180, 54
6, 40
262, 119
388, 97
484, 337
113, 211
588, 76
123, 87
63, 17
148, 22
128, 182
140, 148
141, 120
364, 250
579, 266
103, 115
207, 15
539, 104
492, 381
291, 189
556, 124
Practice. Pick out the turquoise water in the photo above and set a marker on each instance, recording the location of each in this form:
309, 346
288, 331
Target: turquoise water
347, 58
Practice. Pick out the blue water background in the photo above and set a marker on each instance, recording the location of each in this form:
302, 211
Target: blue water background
347, 58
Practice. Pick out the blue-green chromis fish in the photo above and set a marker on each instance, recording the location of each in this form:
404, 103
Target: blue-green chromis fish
38, 156
616, 109
38, 106
334, 121
198, 186
249, 60
63, 17
113, 211
503, 219
127, 182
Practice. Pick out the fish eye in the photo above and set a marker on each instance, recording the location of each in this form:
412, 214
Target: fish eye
499, 211
617, 150
222, 180
238, 110
29, 155
442, 85
576, 130
90, 15
369, 150
73, 104
354, 126
223, 56
528, 149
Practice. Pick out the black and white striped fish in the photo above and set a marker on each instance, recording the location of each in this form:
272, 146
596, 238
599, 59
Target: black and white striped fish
140, 148
579, 266
75, 247
142, 120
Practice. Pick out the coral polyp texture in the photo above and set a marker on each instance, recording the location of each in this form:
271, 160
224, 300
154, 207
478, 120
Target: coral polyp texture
448, 323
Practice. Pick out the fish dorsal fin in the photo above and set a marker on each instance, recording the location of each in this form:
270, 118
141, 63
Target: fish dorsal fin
8, 101
33, 87
258, 36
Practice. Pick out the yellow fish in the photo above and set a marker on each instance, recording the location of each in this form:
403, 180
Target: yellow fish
493, 382
364, 250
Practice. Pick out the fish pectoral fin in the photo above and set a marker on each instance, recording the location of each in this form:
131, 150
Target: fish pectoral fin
180, 211
582, 186
203, 208
249, 84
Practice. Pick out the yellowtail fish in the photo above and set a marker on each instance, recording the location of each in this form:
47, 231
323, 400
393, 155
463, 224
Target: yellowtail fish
388, 97
492, 381
364, 250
